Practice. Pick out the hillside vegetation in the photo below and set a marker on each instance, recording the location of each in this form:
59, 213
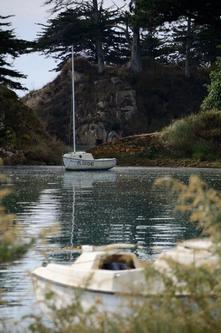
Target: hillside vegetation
23, 138
146, 66
153, 102
192, 141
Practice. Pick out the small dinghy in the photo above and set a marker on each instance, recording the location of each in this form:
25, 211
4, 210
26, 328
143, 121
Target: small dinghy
113, 279
105, 276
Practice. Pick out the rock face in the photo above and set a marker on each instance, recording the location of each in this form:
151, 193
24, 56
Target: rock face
115, 101
102, 105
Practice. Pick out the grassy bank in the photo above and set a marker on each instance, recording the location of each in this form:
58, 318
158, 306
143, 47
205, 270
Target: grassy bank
194, 141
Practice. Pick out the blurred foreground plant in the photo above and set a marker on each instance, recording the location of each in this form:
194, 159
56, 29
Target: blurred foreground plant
11, 244
201, 204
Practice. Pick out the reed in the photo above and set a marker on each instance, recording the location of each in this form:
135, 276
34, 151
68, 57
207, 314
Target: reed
11, 243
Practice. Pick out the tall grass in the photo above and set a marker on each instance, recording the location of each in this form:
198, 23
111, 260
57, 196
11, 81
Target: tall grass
11, 244
197, 136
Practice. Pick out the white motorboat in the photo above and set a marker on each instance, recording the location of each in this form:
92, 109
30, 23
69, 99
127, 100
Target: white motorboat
78, 160
103, 276
112, 279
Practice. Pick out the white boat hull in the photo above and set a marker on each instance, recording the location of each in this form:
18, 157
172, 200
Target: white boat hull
90, 281
62, 296
73, 164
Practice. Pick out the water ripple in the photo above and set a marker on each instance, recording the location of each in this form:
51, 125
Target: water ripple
89, 208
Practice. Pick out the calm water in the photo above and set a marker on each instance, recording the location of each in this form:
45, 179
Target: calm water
89, 208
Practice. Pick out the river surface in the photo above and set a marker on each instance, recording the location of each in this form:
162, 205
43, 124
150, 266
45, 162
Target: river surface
121, 205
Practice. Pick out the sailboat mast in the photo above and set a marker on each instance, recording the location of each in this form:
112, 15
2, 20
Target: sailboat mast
73, 97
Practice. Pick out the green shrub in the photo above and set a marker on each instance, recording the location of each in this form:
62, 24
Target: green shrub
213, 100
197, 136
22, 130
203, 151
45, 153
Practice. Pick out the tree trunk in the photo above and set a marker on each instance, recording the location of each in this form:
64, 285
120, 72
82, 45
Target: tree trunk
98, 41
100, 56
135, 62
188, 46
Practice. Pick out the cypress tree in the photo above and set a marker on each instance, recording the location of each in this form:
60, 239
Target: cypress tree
10, 48
88, 26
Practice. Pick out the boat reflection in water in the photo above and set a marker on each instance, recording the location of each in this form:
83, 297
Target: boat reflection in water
80, 186
84, 180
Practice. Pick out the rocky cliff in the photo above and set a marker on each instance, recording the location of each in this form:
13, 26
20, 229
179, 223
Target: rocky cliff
116, 103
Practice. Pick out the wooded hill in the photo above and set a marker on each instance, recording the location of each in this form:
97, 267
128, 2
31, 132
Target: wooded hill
144, 66
116, 100
23, 138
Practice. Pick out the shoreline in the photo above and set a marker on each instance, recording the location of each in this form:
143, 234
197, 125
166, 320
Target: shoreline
118, 166
174, 164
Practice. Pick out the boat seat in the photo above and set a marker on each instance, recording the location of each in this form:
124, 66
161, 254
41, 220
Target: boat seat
117, 262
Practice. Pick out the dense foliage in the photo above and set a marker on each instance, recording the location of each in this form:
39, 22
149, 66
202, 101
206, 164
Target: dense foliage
90, 28
171, 31
23, 138
197, 136
213, 100
10, 47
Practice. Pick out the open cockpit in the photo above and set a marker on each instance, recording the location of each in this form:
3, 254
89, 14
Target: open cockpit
117, 262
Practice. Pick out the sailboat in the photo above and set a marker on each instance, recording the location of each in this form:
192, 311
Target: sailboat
80, 160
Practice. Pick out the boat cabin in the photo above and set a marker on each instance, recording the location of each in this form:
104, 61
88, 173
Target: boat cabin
82, 155
116, 262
